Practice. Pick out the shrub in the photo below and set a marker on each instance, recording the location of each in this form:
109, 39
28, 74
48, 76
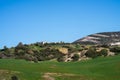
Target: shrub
75, 57
104, 45
115, 49
91, 53
19, 52
35, 60
104, 52
61, 59
14, 78
28, 57
47, 54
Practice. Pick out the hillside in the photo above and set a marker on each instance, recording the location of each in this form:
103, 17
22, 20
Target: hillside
66, 52
46, 61
61, 52
104, 38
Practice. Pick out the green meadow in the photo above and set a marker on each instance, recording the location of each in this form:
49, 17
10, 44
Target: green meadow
102, 68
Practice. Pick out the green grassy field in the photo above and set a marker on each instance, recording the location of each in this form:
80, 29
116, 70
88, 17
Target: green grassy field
97, 69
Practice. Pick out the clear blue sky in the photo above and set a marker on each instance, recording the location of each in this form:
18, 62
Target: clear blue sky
30, 21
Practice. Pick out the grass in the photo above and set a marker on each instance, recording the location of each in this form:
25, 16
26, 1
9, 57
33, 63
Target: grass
97, 69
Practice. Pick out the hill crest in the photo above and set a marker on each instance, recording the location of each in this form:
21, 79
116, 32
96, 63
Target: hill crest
107, 38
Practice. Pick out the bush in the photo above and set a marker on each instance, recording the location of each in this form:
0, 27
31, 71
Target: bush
61, 59
105, 46
75, 57
91, 53
14, 78
47, 54
115, 49
28, 57
35, 60
104, 52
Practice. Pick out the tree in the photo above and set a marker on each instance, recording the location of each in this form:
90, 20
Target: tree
5, 48
20, 46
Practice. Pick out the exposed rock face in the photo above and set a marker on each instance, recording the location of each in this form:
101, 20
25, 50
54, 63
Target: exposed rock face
107, 38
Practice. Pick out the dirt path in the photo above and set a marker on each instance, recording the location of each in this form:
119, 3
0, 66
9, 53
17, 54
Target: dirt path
50, 76
47, 76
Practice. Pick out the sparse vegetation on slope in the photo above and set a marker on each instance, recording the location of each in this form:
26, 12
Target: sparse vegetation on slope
62, 52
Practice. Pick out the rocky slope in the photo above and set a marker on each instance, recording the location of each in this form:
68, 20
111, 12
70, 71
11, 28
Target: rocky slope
107, 38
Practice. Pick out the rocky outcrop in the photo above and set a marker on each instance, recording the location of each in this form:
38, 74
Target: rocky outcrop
104, 38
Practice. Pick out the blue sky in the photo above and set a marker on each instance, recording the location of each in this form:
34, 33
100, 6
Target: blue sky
30, 21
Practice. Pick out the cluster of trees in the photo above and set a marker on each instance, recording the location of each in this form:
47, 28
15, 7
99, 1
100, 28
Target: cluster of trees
93, 53
33, 52
115, 49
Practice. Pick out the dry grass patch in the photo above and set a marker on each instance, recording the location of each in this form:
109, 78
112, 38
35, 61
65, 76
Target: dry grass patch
52, 76
6, 74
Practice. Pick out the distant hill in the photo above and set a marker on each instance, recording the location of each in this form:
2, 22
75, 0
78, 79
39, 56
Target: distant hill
103, 38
